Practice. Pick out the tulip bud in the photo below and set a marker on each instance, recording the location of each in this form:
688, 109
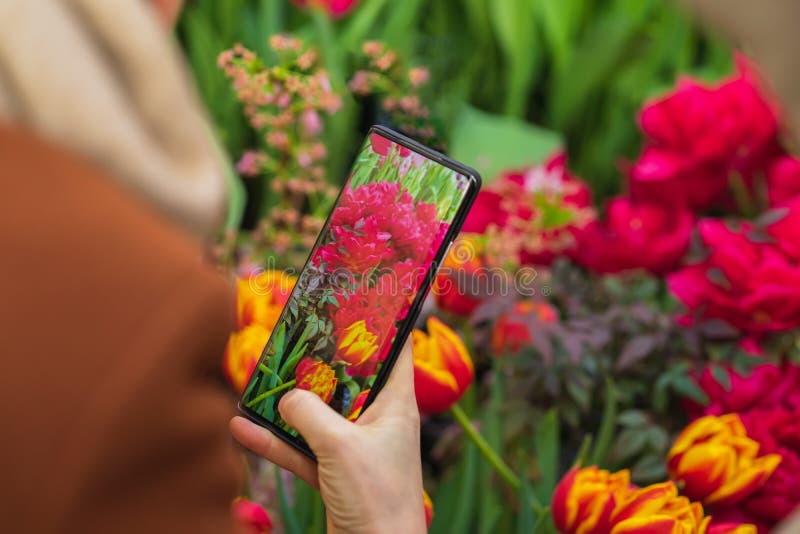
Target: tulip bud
251, 517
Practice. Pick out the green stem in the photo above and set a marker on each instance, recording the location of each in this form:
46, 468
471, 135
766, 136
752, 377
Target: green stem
266, 370
491, 456
285, 385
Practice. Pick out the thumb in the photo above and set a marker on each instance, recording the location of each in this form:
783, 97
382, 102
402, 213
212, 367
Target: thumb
317, 422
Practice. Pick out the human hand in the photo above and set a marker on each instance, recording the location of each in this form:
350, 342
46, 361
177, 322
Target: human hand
368, 472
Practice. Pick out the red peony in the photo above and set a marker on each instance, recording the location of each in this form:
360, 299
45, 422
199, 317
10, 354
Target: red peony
778, 431
783, 180
786, 229
765, 386
699, 137
635, 236
750, 285
334, 8
535, 212
357, 250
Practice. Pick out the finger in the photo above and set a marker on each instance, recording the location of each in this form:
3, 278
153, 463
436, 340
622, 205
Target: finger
264, 443
317, 422
397, 395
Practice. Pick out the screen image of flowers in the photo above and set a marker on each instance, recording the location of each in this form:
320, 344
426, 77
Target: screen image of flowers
360, 281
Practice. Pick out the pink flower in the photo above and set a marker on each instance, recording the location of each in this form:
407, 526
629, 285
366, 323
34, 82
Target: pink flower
750, 285
382, 146
358, 250
334, 8
786, 229
765, 386
311, 123
783, 179
699, 137
635, 236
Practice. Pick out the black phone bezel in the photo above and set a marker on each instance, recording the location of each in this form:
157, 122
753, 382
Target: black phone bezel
474, 185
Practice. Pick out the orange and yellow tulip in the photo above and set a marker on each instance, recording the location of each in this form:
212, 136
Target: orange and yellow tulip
452, 285
358, 405
714, 461
595, 501
443, 370
317, 377
585, 499
426, 501
242, 353
356, 344
261, 298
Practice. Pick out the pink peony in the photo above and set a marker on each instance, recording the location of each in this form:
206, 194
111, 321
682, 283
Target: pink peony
699, 137
635, 236
334, 8
783, 179
786, 229
750, 285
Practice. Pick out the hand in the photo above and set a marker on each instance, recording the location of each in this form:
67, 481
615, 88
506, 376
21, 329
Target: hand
368, 472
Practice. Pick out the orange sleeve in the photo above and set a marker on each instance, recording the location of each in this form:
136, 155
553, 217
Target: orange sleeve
114, 413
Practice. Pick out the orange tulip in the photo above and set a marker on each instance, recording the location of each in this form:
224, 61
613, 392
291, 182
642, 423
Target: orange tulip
511, 333
426, 501
714, 461
356, 344
442, 367
358, 405
317, 377
658, 508
731, 528
261, 298
242, 353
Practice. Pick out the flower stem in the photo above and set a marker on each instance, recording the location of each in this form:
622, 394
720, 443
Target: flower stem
491, 456
285, 385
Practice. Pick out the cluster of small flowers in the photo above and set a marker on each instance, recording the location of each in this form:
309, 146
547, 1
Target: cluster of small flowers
384, 76
286, 103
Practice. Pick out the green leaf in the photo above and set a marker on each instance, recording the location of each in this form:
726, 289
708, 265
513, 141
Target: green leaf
607, 425
492, 143
546, 443
290, 523
526, 520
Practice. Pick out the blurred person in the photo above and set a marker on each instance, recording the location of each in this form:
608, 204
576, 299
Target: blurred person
112, 326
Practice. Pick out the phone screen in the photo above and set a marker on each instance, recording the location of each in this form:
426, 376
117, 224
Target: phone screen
361, 282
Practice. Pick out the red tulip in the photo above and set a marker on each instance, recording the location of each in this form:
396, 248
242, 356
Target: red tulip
454, 287
251, 517
426, 500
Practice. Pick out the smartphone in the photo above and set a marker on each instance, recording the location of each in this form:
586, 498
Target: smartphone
360, 291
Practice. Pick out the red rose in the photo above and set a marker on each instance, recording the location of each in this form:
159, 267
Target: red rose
698, 137
635, 236
334, 8
783, 180
750, 285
